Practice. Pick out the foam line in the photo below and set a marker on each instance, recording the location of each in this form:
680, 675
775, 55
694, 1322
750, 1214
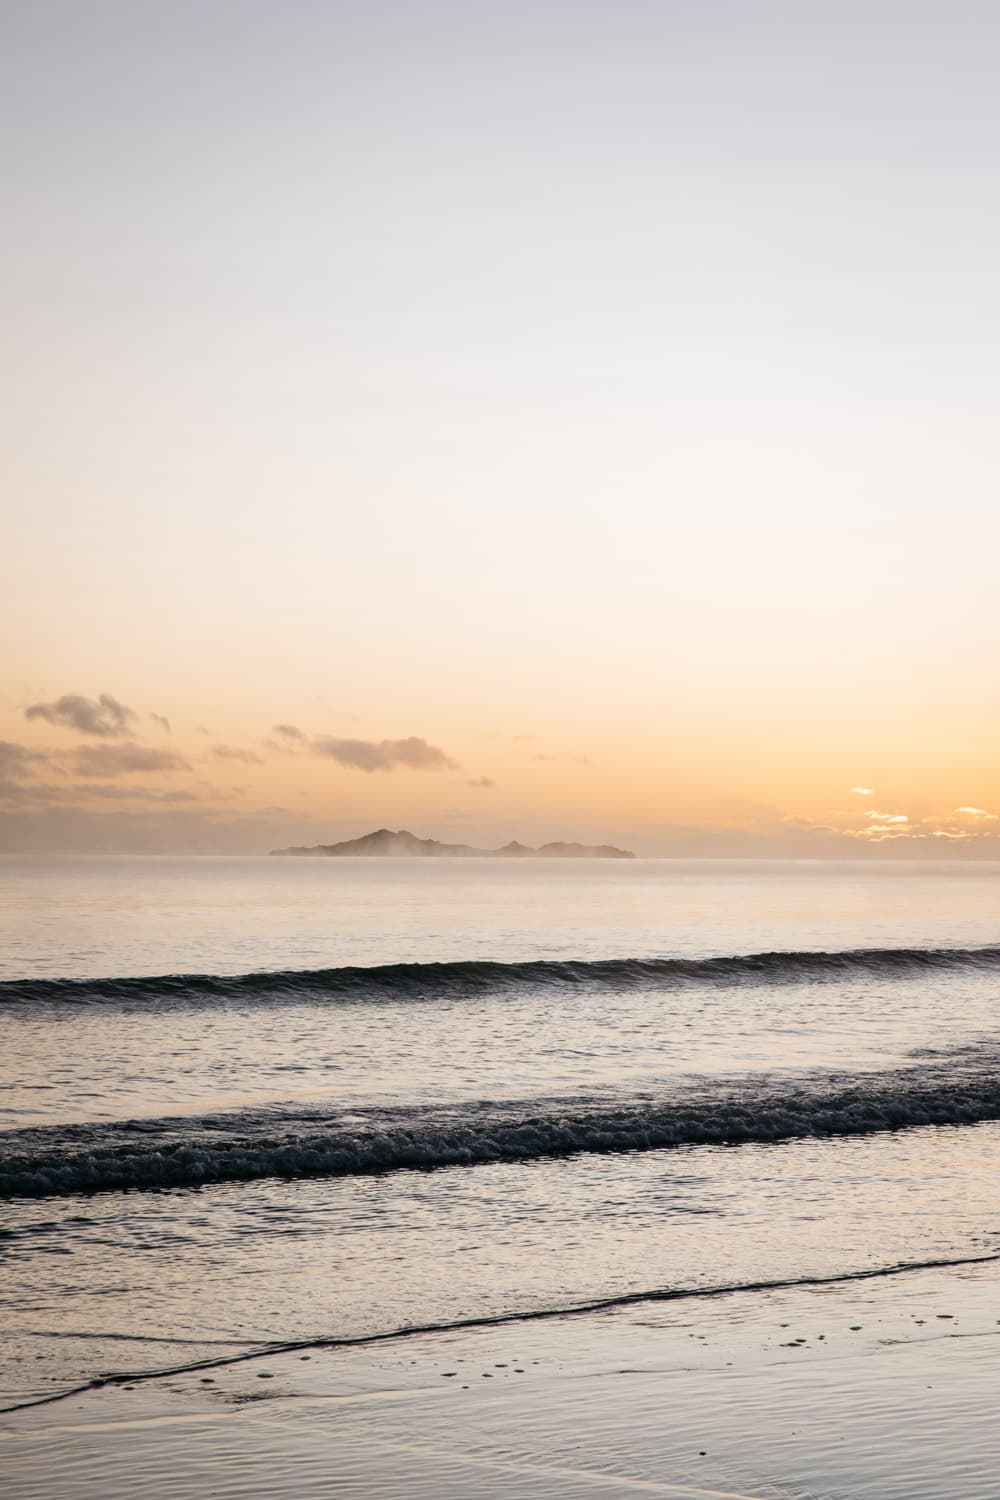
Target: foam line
499, 1320
190, 1153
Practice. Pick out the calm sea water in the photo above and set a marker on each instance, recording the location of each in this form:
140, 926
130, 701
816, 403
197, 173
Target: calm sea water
244, 1101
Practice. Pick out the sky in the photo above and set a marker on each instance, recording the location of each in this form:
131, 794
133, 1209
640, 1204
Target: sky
568, 419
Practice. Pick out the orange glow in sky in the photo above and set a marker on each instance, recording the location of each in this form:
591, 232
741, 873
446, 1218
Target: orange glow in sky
604, 420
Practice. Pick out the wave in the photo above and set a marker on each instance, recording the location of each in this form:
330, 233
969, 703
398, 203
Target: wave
256, 1351
186, 1153
426, 981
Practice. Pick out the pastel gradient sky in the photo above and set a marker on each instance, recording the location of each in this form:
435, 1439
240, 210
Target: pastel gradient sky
573, 419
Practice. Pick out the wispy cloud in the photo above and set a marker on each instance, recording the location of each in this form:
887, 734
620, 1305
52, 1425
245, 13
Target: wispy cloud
16, 793
879, 833
289, 732
481, 781
123, 760
103, 717
972, 828
41, 795
161, 721
862, 791
157, 827
233, 752
132, 794
414, 754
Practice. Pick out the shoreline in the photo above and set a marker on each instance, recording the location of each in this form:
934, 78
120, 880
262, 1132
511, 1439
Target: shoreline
612, 1304
881, 1388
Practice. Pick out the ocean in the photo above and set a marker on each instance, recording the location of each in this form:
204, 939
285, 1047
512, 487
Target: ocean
247, 1104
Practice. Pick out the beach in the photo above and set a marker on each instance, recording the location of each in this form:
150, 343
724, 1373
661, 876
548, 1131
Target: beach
499, 782
662, 1177
881, 1388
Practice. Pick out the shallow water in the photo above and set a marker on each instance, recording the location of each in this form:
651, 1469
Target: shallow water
881, 1388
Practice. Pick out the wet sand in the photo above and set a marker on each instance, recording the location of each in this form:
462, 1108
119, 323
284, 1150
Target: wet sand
868, 1389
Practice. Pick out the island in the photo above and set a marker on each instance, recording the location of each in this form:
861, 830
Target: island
388, 844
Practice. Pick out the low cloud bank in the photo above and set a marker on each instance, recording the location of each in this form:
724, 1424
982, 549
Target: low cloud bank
157, 830
124, 760
46, 817
17, 761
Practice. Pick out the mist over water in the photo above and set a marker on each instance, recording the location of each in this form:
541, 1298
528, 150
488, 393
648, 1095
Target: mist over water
119, 915
249, 1101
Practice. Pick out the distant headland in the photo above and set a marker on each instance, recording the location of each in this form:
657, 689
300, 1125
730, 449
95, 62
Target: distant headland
387, 844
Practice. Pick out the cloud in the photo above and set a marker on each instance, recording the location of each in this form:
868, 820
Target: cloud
15, 792
17, 761
103, 717
104, 819
232, 752
123, 760
862, 791
481, 781
45, 795
384, 755
893, 827
287, 739
161, 721
129, 794
413, 753
289, 732
128, 827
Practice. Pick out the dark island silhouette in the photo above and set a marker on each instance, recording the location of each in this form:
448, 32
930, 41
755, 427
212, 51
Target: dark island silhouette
384, 842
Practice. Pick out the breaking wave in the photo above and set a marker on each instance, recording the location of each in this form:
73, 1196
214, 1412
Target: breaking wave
238, 1148
426, 981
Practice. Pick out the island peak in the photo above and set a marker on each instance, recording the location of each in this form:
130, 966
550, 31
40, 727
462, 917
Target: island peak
388, 844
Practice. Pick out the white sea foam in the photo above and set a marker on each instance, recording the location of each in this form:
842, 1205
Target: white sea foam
242, 1147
